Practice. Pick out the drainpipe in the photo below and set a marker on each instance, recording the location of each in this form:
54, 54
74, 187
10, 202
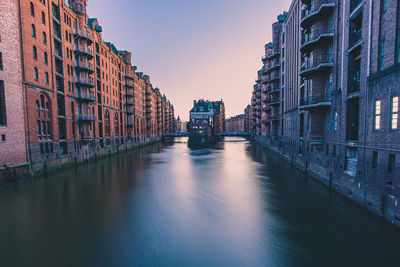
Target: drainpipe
28, 145
366, 101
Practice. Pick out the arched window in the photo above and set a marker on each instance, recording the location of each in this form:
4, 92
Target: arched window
45, 58
116, 124
36, 74
44, 38
42, 105
46, 78
33, 29
43, 18
34, 52
107, 122
32, 9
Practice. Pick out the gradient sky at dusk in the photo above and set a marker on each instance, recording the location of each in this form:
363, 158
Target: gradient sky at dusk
193, 48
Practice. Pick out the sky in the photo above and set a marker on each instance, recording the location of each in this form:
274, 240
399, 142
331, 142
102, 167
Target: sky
193, 49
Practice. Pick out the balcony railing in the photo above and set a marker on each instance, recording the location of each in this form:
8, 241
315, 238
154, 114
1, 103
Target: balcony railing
57, 34
89, 82
315, 63
315, 9
83, 50
84, 66
85, 96
83, 34
273, 118
273, 101
314, 101
86, 117
316, 35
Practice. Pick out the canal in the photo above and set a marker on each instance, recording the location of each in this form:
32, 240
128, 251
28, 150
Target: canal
167, 205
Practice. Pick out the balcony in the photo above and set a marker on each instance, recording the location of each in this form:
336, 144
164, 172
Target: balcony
274, 118
84, 66
130, 101
130, 93
274, 101
129, 76
258, 96
316, 10
317, 63
273, 78
83, 35
130, 111
264, 121
87, 96
315, 101
79, 49
130, 123
318, 36
84, 82
275, 65
271, 55
86, 117
57, 34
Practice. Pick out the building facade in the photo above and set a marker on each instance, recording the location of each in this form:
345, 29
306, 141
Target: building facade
338, 116
235, 123
75, 95
13, 139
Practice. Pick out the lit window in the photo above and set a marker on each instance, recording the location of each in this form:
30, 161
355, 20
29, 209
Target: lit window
394, 113
377, 123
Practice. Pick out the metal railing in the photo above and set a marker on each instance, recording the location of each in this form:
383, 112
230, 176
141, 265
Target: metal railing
315, 99
86, 117
84, 65
84, 81
86, 96
83, 34
314, 7
316, 61
316, 33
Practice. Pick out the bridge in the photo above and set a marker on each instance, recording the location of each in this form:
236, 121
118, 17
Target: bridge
236, 133
183, 134
227, 134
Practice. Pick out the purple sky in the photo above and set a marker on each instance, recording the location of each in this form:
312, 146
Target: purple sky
193, 48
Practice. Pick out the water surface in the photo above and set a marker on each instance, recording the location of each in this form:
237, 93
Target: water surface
168, 205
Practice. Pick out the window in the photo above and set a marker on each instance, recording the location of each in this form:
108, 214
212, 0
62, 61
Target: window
43, 18
377, 122
33, 29
46, 78
36, 74
3, 115
44, 38
38, 128
327, 121
391, 162
335, 121
34, 53
394, 118
45, 58
374, 159
334, 151
32, 10
1, 61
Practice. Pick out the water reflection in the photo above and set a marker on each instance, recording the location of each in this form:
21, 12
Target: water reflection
228, 205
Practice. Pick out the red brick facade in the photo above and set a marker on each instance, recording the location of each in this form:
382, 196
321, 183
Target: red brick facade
84, 96
12, 96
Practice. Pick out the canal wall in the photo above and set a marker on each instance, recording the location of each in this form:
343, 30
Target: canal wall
14, 173
330, 173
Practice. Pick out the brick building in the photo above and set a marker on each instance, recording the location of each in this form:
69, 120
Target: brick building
235, 123
83, 95
13, 140
339, 97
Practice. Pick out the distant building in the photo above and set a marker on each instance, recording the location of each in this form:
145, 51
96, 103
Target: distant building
202, 118
235, 123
